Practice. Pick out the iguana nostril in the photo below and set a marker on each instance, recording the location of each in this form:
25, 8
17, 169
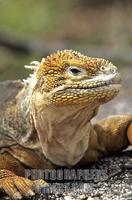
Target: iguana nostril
105, 69
108, 69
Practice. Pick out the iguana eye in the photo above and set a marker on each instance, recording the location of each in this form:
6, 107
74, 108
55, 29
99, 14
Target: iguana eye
76, 71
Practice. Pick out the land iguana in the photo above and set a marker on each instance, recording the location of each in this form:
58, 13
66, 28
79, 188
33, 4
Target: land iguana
45, 122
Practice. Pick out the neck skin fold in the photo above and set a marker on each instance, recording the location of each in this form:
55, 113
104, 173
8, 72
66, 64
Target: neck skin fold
63, 131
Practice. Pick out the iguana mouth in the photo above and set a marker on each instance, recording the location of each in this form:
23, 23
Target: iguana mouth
114, 81
95, 87
100, 82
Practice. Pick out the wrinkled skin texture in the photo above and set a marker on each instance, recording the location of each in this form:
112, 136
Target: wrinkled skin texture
46, 123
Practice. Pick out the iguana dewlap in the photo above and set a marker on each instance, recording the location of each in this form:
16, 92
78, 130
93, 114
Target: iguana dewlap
45, 122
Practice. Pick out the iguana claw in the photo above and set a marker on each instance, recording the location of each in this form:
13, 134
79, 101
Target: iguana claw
17, 187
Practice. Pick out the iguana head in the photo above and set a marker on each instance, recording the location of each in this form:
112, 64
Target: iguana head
67, 78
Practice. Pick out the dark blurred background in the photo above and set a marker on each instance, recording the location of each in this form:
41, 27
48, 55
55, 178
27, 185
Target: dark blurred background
30, 30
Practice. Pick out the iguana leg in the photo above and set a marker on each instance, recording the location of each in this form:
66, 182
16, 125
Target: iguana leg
107, 137
129, 133
8, 162
16, 186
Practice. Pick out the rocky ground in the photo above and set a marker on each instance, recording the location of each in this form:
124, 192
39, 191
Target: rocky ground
115, 183
116, 179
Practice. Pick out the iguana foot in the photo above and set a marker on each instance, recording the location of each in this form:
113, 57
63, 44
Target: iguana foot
17, 187
129, 133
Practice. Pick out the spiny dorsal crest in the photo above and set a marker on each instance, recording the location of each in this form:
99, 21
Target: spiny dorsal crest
56, 62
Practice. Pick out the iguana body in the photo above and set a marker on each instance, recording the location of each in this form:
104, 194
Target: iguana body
46, 122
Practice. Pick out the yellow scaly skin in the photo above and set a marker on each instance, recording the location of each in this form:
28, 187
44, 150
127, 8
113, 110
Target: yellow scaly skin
49, 123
